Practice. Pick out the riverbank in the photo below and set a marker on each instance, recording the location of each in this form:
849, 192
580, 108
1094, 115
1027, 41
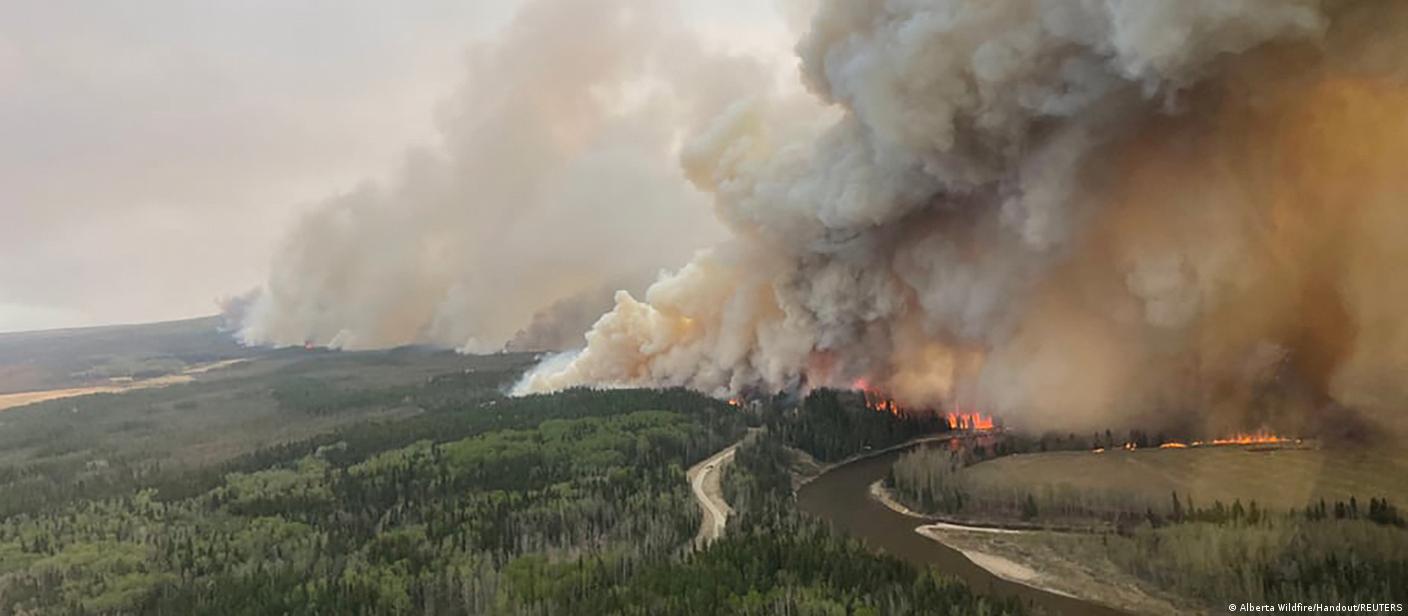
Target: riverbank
941, 531
808, 468
1037, 558
840, 498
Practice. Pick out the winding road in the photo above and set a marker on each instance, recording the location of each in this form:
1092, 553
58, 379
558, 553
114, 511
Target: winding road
704, 480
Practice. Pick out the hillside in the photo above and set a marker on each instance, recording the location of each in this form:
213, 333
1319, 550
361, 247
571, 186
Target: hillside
63, 358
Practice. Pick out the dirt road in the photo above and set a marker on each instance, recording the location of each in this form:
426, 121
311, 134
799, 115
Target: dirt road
704, 480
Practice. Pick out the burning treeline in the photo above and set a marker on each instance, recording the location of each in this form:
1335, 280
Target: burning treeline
956, 419
1070, 213
975, 421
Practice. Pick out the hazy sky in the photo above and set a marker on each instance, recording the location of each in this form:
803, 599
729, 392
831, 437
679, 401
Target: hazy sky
152, 154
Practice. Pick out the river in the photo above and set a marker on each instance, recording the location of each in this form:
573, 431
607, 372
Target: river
842, 496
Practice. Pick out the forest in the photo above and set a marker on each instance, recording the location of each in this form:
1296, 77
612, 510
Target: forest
475, 503
832, 425
445, 515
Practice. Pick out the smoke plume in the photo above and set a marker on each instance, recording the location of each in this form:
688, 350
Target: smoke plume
1072, 213
554, 176
562, 324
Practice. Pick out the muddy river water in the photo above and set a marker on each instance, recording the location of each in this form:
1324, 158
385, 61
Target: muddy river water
841, 496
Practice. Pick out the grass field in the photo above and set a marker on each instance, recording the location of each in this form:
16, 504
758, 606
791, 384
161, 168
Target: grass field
1277, 478
84, 357
1259, 532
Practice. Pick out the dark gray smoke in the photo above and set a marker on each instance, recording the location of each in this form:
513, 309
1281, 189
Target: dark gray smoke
1071, 213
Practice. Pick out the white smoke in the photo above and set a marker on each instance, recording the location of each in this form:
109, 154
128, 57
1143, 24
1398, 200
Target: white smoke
554, 177
1060, 210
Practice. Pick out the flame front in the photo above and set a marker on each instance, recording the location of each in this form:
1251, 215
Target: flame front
877, 402
1260, 437
957, 420
969, 421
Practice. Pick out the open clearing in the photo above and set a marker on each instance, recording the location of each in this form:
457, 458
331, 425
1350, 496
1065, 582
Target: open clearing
104, 356
9, 401
1278, 478
1150, 568
215, 411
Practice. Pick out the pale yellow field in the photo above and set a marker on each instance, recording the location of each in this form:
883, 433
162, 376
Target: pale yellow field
9, 401
1280, 478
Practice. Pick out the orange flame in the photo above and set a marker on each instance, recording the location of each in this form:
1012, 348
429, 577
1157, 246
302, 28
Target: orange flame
969, 421
958, 420
1260, 437
876, 402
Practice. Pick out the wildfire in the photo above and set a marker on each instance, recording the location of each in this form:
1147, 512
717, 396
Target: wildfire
957, 420
876, 402
1260, 437
735, 402
969, 421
